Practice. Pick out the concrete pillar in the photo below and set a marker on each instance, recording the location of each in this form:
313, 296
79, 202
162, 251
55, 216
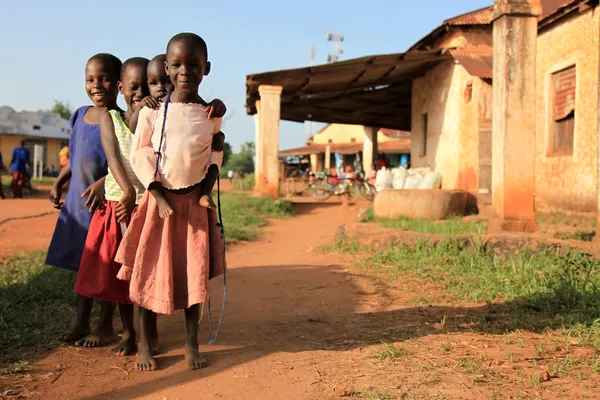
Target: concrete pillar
369, 148
513, 136
328, 159
258, 166
314, 163
267, 158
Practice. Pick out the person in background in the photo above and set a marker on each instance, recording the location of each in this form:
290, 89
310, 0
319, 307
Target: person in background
1, 168
63, 156
19, 165
230, 176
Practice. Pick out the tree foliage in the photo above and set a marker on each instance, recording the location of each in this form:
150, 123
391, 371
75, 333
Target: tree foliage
242, 162
62, 109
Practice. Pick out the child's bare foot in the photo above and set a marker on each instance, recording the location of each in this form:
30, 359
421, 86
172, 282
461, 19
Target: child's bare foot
127, 346
97, 339
76, 333
164, 208
195, 360
207, 201
145, 362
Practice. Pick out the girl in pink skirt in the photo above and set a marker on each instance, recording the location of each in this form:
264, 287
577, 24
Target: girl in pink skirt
170, 260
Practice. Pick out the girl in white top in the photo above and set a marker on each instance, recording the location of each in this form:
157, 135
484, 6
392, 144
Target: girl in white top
170, 260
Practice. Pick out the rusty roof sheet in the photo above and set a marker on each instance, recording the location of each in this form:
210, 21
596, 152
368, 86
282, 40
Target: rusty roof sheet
478, 61
483, 16
392, 146
372, 91
550, 7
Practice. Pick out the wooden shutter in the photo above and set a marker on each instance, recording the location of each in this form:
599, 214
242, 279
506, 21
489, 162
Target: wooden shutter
564, 93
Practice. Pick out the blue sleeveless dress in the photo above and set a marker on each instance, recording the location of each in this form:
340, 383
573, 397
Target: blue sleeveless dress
88, 164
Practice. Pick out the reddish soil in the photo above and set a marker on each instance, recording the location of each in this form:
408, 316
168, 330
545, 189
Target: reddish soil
304, 325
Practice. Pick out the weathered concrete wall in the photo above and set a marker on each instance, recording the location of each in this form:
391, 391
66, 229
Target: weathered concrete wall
568, 183
420, 204
449, 96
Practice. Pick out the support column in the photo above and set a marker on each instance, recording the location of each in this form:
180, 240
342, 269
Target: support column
369, 148
259, 169
328, 159
267, 146
513, 135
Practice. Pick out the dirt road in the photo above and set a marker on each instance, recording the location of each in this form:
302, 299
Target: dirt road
300, 324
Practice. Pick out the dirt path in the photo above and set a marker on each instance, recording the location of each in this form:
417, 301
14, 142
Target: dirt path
281, 295
304, 325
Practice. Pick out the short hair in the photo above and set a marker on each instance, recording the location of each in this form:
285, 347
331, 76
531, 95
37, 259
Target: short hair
191, 38
112, 63
159, 58
134, 61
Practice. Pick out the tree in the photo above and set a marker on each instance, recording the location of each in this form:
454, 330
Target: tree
227, 151
242, 162
62, 109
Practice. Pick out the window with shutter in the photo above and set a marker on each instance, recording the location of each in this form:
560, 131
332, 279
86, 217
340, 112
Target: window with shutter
563, 111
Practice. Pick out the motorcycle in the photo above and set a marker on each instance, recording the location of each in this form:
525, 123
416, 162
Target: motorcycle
322, 186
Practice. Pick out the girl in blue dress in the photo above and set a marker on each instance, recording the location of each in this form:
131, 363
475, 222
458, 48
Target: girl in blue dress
86, 172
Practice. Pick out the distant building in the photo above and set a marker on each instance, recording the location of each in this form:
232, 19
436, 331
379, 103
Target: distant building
347, 141
34, 127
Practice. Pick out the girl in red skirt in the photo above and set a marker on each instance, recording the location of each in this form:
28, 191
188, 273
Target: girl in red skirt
97, 278
170, 260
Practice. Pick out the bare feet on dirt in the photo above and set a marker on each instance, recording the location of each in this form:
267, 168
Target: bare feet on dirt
195, 360
145, 362
207, 201
97, 339
76, 333
127, 346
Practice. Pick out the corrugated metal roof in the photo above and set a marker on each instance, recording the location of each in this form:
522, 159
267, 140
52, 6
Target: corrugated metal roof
550, 7
478, 61
371, 91
482, 16
392, 146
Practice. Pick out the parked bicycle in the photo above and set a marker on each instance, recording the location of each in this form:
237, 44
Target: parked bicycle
323, 186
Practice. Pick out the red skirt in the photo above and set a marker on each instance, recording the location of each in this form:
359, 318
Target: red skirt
97, 277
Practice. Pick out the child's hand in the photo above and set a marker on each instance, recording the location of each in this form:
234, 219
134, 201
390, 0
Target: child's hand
216, 109
149, 102
218, 141
55, 197
125, 206
95, 195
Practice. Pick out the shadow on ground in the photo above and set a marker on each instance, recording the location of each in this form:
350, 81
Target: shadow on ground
289, 309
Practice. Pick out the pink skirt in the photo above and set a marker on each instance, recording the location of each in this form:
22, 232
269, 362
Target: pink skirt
97, 276
171, 260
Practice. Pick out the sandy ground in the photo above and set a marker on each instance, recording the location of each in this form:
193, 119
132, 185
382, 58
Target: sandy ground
304, 325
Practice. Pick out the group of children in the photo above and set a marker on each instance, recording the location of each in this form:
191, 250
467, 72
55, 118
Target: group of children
138, 223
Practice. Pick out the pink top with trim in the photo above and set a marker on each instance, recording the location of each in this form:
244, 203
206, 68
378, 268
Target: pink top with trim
186, 149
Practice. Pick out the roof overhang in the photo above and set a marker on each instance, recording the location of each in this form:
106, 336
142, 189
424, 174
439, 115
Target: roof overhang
371, 91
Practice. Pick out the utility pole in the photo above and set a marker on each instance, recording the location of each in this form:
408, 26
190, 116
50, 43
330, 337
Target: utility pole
337, 40
310, 124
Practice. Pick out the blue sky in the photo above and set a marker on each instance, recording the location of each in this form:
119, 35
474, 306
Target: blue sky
45, 46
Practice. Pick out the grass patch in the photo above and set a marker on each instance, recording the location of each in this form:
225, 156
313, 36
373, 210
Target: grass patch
243, 215
35, 308
545, 290
245, 184
450, 226
390, 351
579, 235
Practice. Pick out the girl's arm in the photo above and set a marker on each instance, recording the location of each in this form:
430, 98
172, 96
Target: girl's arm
56, 192
113, 156
142, 158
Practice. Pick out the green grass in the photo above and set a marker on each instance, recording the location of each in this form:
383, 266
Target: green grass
243, 215
36, 306
450, 226
579, 235
541, 290
246, 183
